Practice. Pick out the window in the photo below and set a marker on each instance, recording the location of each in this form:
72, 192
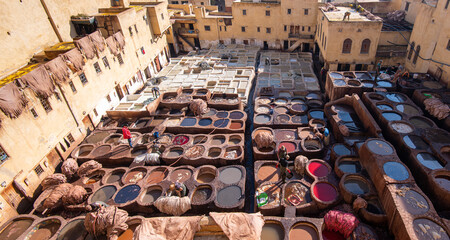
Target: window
243, 29
83, 78
131, 31
220, 28
365, 46
285, 28
175, 2
245, 42
95, 112
347, 46
57, 96
446, 4
162, 17
207, 28
119, 57
221, 42
306, 11
3, 155
244, 12
268, 30
225, 28
108, 98
106, 63
406, 6
289, 11
184, 2
411, 50
202, 3
38, 170
325, 45
416, 55
258, 29
74, 90
135, 28
303, 28
448, 44
182, 25
233, 41
267, 13
46, 104
97, 67
70, 138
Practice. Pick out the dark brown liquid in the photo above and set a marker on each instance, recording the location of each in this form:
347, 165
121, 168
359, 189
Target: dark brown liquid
15, 229
201, 194
205, 177
45, 232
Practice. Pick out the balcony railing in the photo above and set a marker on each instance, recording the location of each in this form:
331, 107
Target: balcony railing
301, 36
184, 31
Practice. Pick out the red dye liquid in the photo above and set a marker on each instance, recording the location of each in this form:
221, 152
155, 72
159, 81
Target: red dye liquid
318, 169
290, 147
324, 192
329, 235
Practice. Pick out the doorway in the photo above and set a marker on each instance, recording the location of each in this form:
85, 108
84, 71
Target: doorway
197, 43
266, 46
119, 92
285, 44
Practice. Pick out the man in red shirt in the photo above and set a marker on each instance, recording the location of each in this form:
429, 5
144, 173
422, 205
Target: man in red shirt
127, 135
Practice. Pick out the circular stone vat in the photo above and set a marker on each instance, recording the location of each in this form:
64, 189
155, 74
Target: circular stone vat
272, 231
234, 140
324, 191
202, 194
301, 192
348, 165
300, 119
236, 115
222, 114
233, 152
354, 83
174, 152
336, 75
439, 135
281, 110
392, 116
407, 109
297, 100
443, 182
211, 112
195, 151
285, 135
263, 109
94, 177
400, 127
157, 175
44, 230
229, 196
283, 118
413, 202
421, 122
103, 194
367, 84
384, 84
135, 175
380, 147
180, 140
113, 139
384, 107
318, 169
429, 161
426, 229
376, 96
268, 173
290, 146
180, 175
214, 152
83, 150
396, 97
312, 144
152, 193
263, 100
73, 230
221, 123
115, 176
339, 83
188, 122
312, 95
230, 175
127, 193
305, 133
218, 140
236, 125
304, 230
262, 118
15, 228
340, 149
318, 114
396, 171
141, 123
200, 139
138, 151
206, 175
97, 137
415, 142
280, 101
299, 108
205, 122
356, 185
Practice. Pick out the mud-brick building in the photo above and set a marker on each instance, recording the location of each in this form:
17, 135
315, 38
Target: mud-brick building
60, 74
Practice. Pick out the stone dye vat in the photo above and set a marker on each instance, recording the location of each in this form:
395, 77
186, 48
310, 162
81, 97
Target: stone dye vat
354, 185
318, 168
15, 227
202, 194
127, 193
73, 230
150, 195
230, 188
134, 175
324, 194
272, 231
206, 174
304, 231
229, 196
113, 177
180, 174
103, 194
347, 165
230, 175
157, 175
274, 193
45, 229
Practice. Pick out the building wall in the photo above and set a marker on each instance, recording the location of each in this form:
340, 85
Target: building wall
431, 32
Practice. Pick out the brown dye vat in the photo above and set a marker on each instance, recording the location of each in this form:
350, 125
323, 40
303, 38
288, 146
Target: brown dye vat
426, 229
157, 176
151, 195
101, 150
413, 202
281, 110
420, 122
94, 179
233, 152
135, 176
206, 175
195, 151
235, 125
45, 230
283, 118
443, 182
200, 139
407, 109
115, 177
273, 192
73, 230
214, 152
312, 145
15, 229
234, 140
303, 231
268, 173
286, 135
113, 139
201, 194
180, 175
128, 234
299, 190
84, 151
263, 101
120, 151
175, 152
138, 151
156, 122
165, 139
97, 137
141, 123
218, 140
272, 231
305, 133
